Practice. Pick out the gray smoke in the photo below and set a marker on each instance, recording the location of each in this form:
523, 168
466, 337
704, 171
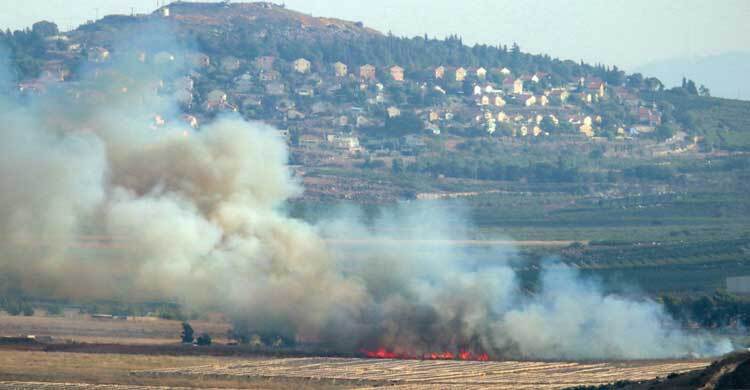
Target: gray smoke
196, 216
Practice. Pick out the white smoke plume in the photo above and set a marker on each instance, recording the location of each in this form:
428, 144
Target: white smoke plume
196, 216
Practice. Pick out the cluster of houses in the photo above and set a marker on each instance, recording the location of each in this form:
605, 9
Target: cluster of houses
335, 104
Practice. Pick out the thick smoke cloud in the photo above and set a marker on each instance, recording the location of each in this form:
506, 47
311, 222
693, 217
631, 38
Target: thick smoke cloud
196, 216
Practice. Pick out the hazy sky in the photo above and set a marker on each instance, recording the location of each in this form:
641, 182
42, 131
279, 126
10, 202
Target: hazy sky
626, 33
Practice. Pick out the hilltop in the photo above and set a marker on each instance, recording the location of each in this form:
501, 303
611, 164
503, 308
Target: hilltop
260, 13
360, 108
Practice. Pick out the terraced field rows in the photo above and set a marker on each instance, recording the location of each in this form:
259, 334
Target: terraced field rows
75, 386
417, 374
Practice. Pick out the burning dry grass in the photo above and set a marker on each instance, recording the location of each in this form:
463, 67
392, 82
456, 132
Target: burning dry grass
415, 374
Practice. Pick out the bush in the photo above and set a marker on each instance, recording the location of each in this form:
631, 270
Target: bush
27, 309
16, 307
649, 172
54, 310
170, 312
12, 307
203, 339
663, 132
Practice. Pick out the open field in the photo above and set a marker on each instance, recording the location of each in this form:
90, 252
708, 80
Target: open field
27, 369
142, 353
685, 237
84, 328
17, 367
415, 374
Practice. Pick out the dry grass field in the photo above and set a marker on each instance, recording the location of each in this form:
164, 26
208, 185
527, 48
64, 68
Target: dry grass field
24, 369
37, 366
417, 374
145, 353
83, 328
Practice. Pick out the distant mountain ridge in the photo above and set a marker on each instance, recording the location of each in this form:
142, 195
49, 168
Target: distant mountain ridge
726, 75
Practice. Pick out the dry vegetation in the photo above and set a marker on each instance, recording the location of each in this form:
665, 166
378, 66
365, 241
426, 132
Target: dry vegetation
34, 366
414, 374
82, 328
30, 369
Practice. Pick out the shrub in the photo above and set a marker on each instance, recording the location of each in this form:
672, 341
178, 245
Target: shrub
54, 310
27, 309
203, 339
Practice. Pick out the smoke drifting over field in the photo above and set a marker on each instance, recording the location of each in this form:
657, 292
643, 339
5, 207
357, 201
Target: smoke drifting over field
197, 217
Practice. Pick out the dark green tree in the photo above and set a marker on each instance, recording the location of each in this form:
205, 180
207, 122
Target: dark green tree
187, 333
664, 132
203, 339
44, 28
27, 309
704, 91
548, 125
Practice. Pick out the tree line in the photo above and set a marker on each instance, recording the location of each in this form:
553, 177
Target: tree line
709, 311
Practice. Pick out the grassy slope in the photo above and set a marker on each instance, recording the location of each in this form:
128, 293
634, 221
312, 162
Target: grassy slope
725, 123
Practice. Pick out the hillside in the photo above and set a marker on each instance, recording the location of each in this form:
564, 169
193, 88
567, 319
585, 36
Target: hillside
724, 123
291, 35
247, 30
730, 372
355, 103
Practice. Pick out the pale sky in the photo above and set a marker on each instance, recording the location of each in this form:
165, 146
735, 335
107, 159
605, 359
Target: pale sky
625, 33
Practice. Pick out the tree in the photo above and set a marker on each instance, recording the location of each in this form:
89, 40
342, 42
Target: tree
704, 91
406, 123
567, 128
653, 84
44, 28
54, 310
689, 86
27, 309
12, 307
548, 125
597, 153
664, 132
203, 339
515, 50
635, 80
397, 166
187, 333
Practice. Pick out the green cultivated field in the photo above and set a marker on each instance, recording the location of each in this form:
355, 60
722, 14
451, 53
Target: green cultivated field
678, 224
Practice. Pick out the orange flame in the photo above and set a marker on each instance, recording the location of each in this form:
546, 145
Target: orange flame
383, 353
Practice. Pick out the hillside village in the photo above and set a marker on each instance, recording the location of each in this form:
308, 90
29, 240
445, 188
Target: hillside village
352, 113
